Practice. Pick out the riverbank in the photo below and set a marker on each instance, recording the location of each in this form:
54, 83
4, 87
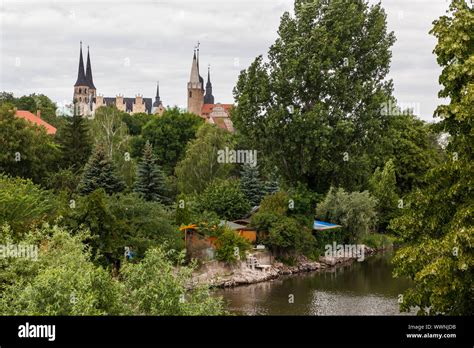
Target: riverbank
221, 275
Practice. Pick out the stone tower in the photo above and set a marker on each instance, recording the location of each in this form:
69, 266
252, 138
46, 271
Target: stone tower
81, 87
195, 88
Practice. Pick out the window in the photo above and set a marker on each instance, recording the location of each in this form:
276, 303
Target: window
190, 94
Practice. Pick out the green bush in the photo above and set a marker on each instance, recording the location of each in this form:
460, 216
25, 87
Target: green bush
263, 221
230, 246
276, 203
288, 236
155, 286
65, 281
120, 221
225, 198
355, 211
24, 204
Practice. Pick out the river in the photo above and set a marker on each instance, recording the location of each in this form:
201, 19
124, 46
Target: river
360, 288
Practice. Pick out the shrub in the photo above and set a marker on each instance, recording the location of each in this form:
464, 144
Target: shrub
155, 286
24, 204
276, 203
355, 211
288, 236
230, 246
63, 280
263, 221
225, 199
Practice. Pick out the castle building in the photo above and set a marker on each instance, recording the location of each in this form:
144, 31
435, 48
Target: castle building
88, 101
201, 101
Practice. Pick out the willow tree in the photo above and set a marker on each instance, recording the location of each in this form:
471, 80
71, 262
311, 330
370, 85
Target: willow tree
314, 109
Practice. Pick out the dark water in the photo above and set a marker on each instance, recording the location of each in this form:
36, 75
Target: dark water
361, 288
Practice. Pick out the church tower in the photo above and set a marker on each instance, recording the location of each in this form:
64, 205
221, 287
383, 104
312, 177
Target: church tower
81, 87
195, 88
209, 98
158, 107
90, 81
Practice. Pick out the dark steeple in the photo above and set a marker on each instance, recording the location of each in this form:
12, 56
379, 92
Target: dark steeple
81, 77
89, 79
209, 98
157, 97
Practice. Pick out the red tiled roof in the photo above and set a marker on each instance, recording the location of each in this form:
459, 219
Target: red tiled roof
207, 108
35, 120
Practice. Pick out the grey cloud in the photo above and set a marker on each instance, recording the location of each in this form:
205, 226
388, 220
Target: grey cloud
158, 39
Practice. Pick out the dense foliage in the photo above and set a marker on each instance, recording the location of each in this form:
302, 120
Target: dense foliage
150, 182
169, 135
65, 281
100, 172
199, 167
355, 212
314, 109
251, 185
437, 225
225, 198
26, 150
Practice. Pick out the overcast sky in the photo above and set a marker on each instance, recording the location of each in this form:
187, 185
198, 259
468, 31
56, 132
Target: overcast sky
134, 44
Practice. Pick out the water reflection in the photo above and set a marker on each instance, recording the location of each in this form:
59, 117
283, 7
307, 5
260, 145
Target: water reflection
362, 288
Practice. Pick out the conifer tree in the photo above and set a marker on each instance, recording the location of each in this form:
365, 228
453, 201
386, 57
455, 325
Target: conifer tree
75, 141
251, 185
271, 186
150, 182
100, 172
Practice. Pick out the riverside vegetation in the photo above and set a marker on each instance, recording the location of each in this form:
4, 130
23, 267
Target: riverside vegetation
312, 110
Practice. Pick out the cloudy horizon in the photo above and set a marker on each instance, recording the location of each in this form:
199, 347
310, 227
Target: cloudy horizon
133, 45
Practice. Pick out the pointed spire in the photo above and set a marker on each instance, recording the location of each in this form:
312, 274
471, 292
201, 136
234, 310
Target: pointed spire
209, 98
89, 79
201, 80
157, 97
194, 78
208, 75
81, 77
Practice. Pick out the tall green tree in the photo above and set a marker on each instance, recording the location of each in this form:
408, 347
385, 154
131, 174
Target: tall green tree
251, 185
200, 165
412, 145
110, 131
383, 186
169, 135
437, 224
150, 182
76, 143
224, 198
271, 185
314, 108
26, 149
100, 172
